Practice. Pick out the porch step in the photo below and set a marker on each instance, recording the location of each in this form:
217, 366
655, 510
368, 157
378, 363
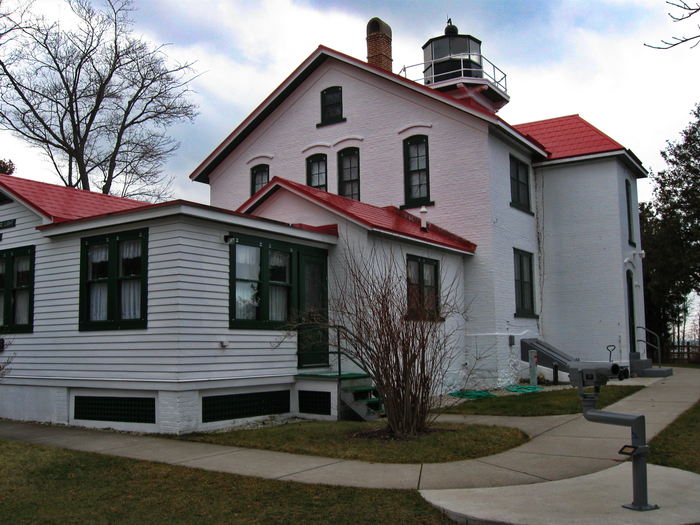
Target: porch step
366, 388
638, 365
655, 372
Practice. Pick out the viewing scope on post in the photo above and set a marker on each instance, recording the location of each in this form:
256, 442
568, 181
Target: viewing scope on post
595, 373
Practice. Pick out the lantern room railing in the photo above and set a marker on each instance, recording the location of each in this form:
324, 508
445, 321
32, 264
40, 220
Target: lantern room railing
467, 65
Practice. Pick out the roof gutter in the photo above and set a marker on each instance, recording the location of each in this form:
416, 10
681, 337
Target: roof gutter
628, 157
416, 240
191, 210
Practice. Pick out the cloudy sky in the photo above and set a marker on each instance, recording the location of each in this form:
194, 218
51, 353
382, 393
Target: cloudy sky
561, 57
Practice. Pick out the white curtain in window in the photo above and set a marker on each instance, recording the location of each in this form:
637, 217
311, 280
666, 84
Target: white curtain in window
129, 250
98, 301
96, 254
278, 303
131, 299
21, 307
247, 262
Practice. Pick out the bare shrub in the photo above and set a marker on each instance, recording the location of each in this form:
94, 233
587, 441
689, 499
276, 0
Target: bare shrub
405, 342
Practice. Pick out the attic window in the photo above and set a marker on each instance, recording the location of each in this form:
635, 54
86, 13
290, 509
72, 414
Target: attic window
331, 106
4, 199
259, 176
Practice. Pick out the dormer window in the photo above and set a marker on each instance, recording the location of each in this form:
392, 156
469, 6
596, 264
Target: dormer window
317, 172
331, 106
259, 176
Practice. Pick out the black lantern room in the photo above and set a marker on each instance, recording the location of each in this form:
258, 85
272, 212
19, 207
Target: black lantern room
452, 56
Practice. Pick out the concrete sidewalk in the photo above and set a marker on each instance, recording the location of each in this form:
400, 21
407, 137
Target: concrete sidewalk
561, 447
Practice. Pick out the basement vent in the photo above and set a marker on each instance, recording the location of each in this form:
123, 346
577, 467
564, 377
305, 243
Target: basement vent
235, 406
312, 402
123, 409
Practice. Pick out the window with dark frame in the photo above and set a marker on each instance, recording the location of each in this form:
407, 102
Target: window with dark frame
519, 184
524, 289
630, 216
416, 171
259, 176
317, 171
17, 290
265, 285
113, 275
422, 279
331, 106
349, 173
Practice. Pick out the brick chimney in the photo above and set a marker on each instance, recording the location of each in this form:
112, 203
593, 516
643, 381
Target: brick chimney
379, 44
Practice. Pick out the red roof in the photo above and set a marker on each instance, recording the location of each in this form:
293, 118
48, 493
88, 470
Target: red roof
388, 218
569, 136
59, 203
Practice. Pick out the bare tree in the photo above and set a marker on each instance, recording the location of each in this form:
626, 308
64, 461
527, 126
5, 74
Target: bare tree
5, 366
95, 99
686, 11
404, 337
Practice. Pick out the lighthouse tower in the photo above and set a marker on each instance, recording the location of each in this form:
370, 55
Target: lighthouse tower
453, 63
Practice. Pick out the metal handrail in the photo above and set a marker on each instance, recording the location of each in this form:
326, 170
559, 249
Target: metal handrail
487, 69
656, 346
338, 352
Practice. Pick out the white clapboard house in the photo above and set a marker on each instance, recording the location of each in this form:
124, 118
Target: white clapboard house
171, 317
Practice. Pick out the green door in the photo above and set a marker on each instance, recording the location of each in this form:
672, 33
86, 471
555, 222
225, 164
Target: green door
313, 304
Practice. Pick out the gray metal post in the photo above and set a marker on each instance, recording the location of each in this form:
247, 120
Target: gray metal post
532, 359
637, 426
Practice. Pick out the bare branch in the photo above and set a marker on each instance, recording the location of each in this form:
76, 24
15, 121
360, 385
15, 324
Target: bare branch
687, 10
93, 98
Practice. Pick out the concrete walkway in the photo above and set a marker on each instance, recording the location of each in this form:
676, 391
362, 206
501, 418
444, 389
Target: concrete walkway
561, 447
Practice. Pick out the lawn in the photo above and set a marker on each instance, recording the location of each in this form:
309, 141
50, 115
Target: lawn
550, 403
676, 445
338, 440
50, 485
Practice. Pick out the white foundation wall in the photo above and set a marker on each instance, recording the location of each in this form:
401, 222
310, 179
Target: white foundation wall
584, 223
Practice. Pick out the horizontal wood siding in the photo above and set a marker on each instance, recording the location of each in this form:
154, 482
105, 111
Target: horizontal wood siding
188, 287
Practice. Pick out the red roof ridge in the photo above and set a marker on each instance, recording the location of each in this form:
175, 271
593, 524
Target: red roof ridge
549, 119
383, 218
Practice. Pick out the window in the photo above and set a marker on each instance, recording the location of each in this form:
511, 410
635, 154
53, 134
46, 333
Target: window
416, 174
630, 216
316, 172
113, 273
422, 278
259, 176
519, 185
524, 290
265, 281
17, 289
331, 106
349, 173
